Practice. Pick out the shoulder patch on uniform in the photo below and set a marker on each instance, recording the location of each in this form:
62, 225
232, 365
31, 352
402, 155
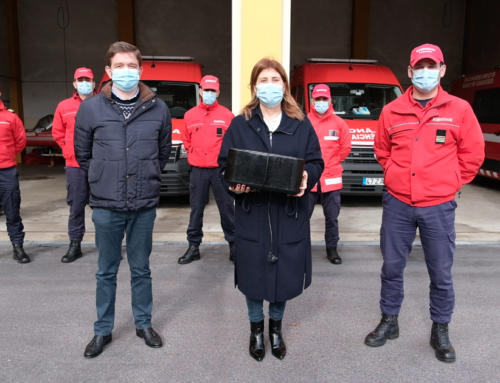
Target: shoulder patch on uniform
11, 110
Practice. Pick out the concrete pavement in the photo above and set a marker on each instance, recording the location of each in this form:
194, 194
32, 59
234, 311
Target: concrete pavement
45, 213
47, 312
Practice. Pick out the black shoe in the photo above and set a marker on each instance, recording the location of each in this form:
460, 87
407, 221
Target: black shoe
150, 336
278, 345
19, 254
388, 328
333, 256
96, 345
192, 254
74, 252
257, 350
231, 251
440, 341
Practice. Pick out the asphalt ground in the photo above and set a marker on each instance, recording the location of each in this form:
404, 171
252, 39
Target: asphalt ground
47, 313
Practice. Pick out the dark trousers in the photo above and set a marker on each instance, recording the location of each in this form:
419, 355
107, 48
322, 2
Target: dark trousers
256, 310
436, 225
331, 211
77, 198
199, 184
110, 227
10, 200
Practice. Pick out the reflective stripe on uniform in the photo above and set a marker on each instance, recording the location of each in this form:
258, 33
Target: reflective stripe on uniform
333, 181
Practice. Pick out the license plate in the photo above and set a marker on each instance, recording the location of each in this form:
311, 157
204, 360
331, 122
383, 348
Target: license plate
373, 181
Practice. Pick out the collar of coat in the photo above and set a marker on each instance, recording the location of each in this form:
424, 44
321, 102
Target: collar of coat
287, 125
406, 104
208, 108
145, 94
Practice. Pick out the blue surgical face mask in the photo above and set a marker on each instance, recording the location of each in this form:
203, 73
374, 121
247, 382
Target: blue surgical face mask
84, 88
208, 97
125, 79
321, 106
425, 79
270, 95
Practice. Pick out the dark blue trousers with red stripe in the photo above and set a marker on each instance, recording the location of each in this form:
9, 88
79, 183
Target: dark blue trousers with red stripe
200, 180
10, 199
77, 185
436, 225
330, 202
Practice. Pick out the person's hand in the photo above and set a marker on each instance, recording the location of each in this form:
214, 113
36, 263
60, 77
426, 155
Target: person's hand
303, 186
238, 189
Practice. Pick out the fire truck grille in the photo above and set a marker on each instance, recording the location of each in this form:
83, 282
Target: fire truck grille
361, 156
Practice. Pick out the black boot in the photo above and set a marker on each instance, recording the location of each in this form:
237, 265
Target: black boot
333, 256
388, 328
74, 252
231, 251
19, 254
440, 341
192, 254
257, 350
278, 345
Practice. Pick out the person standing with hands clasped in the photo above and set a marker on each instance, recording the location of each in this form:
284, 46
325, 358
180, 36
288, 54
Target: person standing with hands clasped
123, 137
272, 233
429, 144
204, 128
77, 185
335, 140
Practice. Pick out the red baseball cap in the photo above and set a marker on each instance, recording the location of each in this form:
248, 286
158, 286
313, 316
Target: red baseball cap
84, 72
426, 51
321, 90
210, 82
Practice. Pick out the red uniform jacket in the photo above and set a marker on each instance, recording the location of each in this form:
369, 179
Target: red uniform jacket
335, 141
428, 153
63, 127
12, 137
204, 127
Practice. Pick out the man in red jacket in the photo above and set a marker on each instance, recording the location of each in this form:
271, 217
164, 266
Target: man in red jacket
12, 142
335, 141
204, 127
429, 144
63, 131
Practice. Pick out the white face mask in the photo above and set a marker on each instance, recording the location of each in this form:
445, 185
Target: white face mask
425, 79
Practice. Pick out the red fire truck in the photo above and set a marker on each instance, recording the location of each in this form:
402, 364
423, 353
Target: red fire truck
360, 89
482, 91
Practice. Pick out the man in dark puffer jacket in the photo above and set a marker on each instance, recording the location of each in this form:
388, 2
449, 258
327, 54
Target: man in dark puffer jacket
123, 138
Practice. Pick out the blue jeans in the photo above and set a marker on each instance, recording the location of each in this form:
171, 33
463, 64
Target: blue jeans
256, 312
436, 225
110, 227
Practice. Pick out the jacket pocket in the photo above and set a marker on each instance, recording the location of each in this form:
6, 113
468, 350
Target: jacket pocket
293, 222
247, 219
149, 181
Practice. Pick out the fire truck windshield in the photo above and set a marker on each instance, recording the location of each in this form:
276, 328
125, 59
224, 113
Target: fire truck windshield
179, 96
357, 101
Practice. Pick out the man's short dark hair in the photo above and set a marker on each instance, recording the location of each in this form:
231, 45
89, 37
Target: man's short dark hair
122, 46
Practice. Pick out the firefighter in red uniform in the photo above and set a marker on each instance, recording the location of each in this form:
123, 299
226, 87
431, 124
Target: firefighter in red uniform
63, 131
335, 142
12, 142
429, 144
204, 128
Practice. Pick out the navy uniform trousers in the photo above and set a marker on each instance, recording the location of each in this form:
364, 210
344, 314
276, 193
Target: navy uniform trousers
10, 200
436, 225
199, 184
331, 211
77, 198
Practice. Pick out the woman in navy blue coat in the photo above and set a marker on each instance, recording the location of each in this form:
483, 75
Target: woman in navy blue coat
272, 233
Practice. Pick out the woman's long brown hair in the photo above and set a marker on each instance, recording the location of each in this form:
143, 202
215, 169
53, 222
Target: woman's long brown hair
288, 105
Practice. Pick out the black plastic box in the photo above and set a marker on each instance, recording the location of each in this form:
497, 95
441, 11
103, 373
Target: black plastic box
264, 171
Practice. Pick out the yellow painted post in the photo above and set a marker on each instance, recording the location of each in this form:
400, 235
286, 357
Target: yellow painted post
261, 28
